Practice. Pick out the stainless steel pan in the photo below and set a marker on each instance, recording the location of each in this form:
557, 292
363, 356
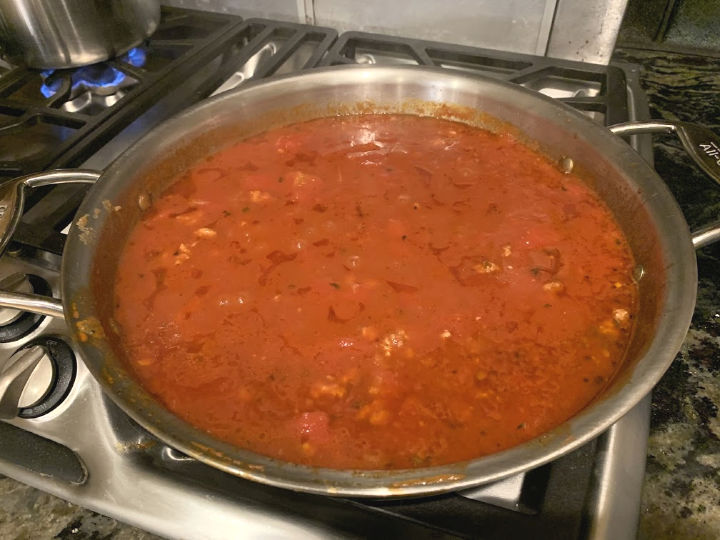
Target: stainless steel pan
655, 227
69, 33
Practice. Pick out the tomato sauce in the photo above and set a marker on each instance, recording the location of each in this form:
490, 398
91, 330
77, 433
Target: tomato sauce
376, 292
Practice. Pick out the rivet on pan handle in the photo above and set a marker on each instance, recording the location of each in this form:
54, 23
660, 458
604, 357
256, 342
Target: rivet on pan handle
701, 144
12, 199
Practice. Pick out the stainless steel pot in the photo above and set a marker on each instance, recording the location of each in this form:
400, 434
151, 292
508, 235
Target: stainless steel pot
648, 214
68, 33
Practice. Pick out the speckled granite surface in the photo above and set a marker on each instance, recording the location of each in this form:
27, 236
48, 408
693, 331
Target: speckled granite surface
29, 514
681, 498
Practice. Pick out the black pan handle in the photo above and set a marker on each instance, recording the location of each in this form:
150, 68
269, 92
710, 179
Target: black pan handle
701, 144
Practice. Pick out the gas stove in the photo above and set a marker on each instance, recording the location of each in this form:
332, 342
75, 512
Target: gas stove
68, 439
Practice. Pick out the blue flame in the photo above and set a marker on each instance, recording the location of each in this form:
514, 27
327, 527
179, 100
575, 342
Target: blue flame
95, 76
50, 89
135, 57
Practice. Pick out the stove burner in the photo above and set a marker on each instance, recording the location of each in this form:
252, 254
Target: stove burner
101, 77
92, 89
87, 78
20, 326
60, 360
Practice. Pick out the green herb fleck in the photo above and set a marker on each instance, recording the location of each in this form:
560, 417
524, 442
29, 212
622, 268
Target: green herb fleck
246, 209
336, 285
535, 271
547, 305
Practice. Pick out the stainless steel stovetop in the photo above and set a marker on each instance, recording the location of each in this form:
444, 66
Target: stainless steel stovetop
70, 440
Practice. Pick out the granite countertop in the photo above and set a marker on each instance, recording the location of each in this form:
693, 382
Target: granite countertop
681, 496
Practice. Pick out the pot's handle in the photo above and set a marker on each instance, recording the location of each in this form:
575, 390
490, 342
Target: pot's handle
701, 144
12, 199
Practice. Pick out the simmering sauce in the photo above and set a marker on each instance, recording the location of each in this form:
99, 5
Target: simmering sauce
376, 292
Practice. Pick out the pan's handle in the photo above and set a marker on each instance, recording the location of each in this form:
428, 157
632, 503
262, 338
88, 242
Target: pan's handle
701, 144
12, 199
704, 236
34, 303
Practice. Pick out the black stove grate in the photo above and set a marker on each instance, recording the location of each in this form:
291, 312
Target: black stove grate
272, 47
38, 132
40, 127
587, 87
